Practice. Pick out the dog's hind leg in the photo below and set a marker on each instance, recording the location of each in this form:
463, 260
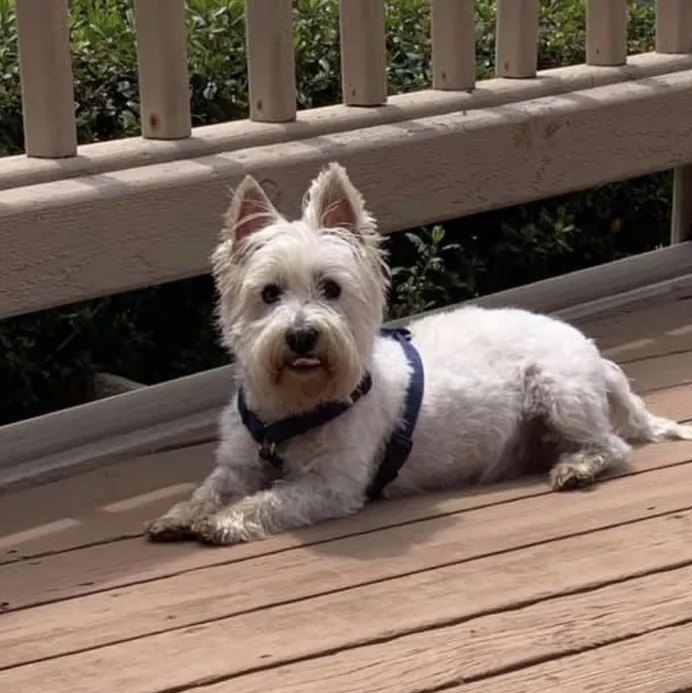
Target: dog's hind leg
580, 468
577, 411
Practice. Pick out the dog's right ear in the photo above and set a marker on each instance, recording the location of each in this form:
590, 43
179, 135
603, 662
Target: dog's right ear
250, 211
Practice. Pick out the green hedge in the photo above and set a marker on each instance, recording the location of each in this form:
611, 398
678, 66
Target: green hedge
47, 359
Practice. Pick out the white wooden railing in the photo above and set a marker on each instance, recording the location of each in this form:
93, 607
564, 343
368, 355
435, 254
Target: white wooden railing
77, 222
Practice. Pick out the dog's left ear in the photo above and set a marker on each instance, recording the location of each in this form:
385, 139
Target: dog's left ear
332, 202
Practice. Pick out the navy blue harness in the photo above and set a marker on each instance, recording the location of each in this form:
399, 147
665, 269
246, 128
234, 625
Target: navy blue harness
398, 448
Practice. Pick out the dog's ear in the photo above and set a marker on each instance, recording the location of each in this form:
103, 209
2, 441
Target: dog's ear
332, 202
250, 211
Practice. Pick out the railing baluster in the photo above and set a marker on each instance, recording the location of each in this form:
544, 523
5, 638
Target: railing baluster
517, 38
674, 35
681, 212
363, 52
164, 84
453, 44
606, 32
673, 26
45, 67
270, 60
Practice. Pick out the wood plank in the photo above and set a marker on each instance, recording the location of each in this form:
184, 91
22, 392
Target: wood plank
217, 649
653, 318
47, 83
363, 48
136, 227
657, 662
193, 597
164, 82
84, 500
102, 157
108, 565
271, 63
516, 44
485, 646
660, 371
606, 32
673, 26
453, 38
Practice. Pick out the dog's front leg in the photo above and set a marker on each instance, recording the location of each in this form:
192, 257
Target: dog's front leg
175, 524
287, 505
227, 482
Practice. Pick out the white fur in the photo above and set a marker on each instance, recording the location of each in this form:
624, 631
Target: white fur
504, 388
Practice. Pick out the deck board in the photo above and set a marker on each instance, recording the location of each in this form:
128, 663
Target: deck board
217, 650
511, 587
487, 645
198, 596
97, 568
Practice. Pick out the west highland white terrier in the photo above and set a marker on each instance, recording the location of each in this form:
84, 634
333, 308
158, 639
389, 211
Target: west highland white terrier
332, 410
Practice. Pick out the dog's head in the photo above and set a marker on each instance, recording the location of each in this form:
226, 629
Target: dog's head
300, 301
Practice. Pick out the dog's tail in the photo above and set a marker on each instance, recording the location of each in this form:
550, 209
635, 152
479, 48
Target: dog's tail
631, 419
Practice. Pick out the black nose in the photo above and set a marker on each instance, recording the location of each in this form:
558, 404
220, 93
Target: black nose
302, 340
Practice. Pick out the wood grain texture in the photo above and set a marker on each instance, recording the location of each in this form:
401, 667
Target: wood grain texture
483, 647
164, 84
453, 37
195, 597
663, 320
673, 26
216, 650
363, 47
517, 38
271, 63
661, 371
82, 238
45, 70
657, 662
101, 157
84, 497
606, 32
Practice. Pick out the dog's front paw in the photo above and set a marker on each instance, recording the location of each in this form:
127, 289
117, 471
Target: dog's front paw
168, 528
216, 531
227, 527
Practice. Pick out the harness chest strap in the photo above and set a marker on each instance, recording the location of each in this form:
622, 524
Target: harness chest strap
398, 447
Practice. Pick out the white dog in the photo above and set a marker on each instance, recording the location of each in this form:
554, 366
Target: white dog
331, 411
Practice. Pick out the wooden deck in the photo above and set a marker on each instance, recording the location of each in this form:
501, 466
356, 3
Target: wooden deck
511, 588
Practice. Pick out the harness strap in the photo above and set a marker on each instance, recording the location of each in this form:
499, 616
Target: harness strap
268, 437
401, 442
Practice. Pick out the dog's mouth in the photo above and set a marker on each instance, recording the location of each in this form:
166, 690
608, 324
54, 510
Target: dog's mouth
305, 364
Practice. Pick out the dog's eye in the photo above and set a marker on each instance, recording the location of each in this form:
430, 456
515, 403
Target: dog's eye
271, 293
331, 290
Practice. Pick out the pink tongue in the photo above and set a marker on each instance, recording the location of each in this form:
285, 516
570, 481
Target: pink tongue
306, 362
